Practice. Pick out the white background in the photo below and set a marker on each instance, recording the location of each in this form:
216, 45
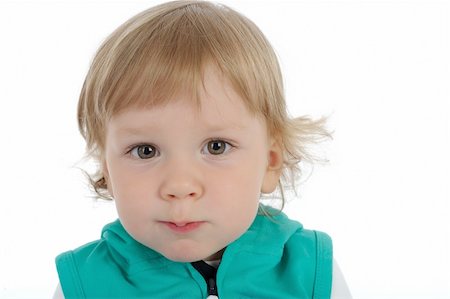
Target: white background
379, 68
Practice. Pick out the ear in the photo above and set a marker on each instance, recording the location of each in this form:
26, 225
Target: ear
274, 167
105, 173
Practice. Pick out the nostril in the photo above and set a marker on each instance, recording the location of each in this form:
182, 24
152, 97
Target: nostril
172, 191
175, 196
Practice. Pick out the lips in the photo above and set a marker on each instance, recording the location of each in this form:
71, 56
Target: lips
183, 227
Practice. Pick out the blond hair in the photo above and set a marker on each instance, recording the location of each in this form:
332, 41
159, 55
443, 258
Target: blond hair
164, 50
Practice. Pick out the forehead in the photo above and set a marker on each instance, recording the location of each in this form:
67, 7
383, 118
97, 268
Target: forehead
201, 86
218, 107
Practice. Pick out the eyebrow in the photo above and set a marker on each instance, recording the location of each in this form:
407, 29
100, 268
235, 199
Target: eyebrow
131, 131
137, 131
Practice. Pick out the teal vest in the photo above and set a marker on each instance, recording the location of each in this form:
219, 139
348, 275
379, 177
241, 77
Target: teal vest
275, 258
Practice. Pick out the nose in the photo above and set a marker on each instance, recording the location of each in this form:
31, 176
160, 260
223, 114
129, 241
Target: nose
181, 181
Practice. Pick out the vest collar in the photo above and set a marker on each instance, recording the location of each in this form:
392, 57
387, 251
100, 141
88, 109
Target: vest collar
266, 236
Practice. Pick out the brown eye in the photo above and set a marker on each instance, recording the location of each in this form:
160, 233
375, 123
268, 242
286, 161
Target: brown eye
144, 151
217, 147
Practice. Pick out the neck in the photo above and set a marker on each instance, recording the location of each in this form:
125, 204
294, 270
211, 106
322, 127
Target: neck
216, 256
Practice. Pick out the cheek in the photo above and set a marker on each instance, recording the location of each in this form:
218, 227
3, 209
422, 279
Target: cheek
131, 191
237, 187
251, 173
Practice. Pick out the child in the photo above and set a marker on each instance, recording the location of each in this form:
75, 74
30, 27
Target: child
183, 108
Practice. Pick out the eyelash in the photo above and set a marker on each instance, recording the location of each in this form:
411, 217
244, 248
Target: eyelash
136, 147
229, 146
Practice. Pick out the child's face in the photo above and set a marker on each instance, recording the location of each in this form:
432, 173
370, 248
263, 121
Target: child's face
187, 182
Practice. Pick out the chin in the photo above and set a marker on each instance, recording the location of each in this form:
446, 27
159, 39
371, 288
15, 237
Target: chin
186, 255
183, 258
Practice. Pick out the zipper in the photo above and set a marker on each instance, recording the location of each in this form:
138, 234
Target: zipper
209, 274
212, 287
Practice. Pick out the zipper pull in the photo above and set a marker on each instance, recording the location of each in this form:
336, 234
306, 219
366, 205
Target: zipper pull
212, 288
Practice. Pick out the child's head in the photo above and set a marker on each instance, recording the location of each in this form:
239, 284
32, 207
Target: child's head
183, 108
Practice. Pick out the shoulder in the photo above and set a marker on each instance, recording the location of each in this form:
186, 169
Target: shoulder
82, 253
72, 266
277, 231
305, 249
92, 262
86, 254
281, 229
313, 241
